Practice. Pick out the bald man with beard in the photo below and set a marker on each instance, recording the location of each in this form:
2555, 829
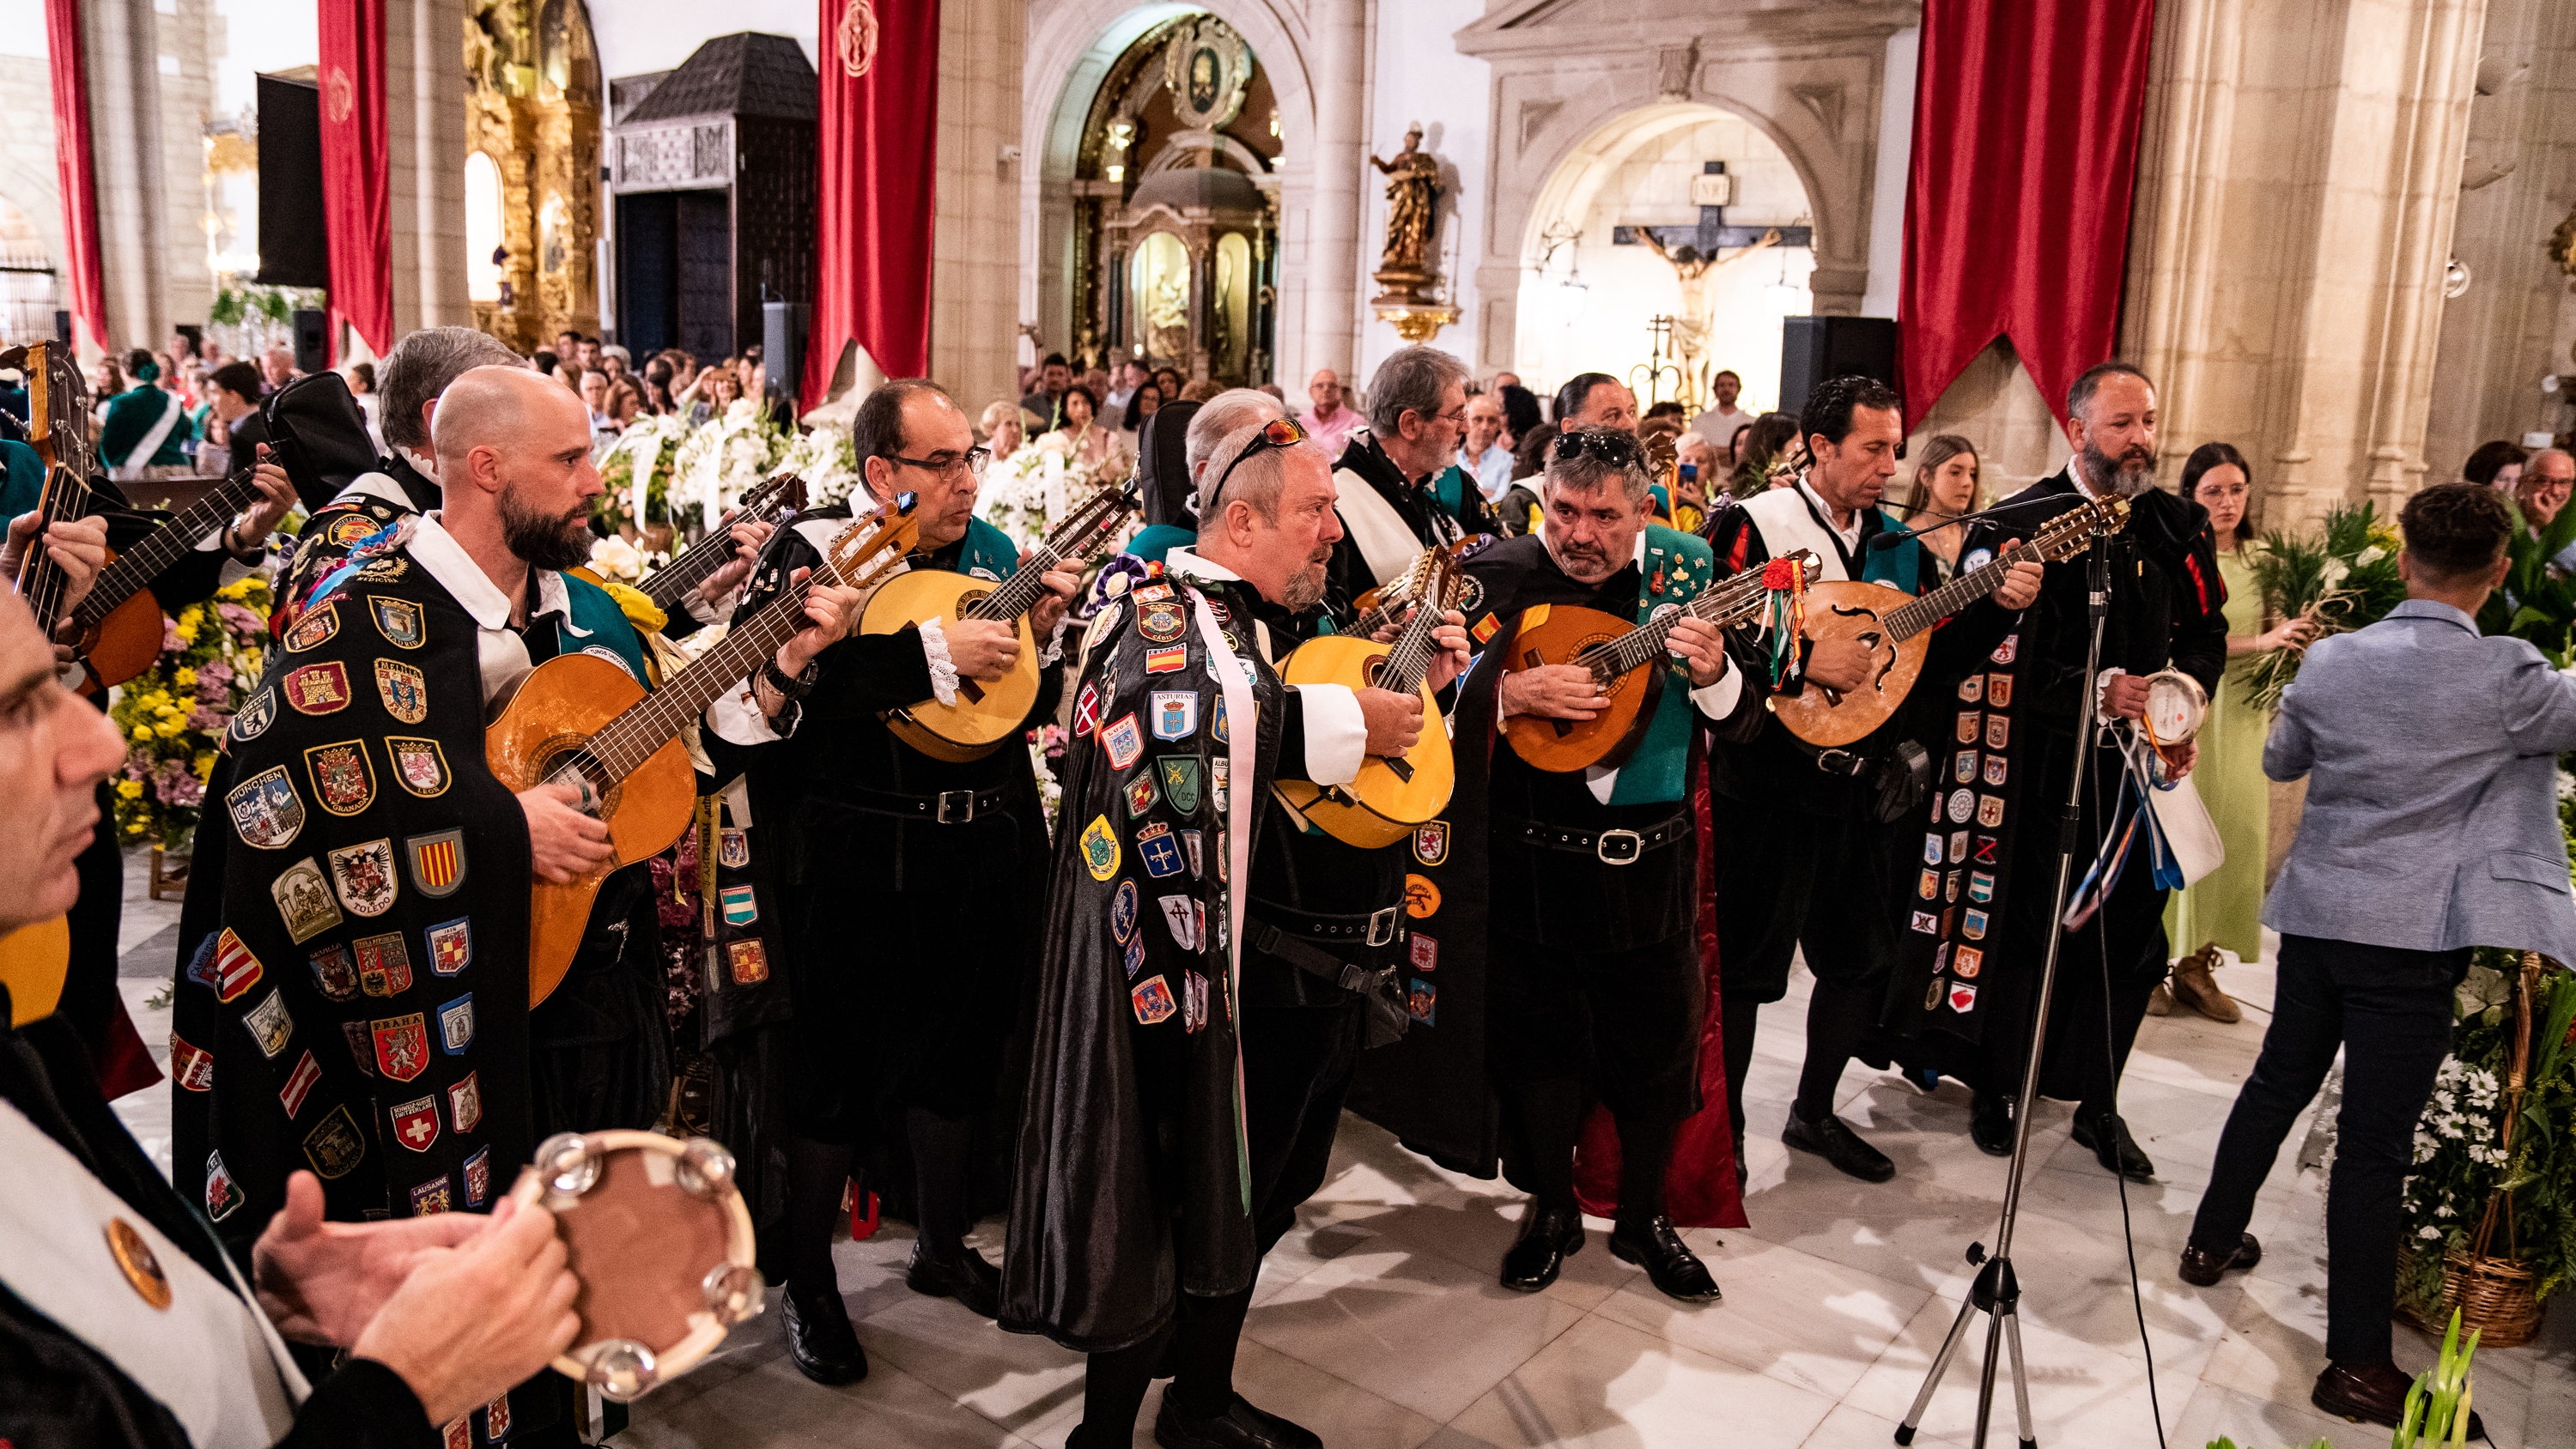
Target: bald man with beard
356, 1004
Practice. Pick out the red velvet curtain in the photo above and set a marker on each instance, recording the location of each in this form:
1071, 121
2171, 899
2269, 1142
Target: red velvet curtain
878, 143
72, 161
2026, 119
356, 212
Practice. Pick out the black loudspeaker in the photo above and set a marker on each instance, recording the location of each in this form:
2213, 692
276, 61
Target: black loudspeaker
782, 346
1815, 348
312, 342
292, 249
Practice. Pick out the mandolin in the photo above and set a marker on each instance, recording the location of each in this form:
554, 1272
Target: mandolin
988, 712
1888, 622
1387, 602
578, 719
118, 627
1391, 796
765, 501
1618, 652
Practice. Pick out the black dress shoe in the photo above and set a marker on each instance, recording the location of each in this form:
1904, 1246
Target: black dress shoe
1674, 1269
1830, 1138
1548, 1237
820, 1339
967, 1278
2371, 1393
1990, 1124
1241, 1426
2115, 1149
2202, 1267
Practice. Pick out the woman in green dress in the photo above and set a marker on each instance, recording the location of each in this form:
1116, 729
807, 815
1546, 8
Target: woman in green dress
2224, 908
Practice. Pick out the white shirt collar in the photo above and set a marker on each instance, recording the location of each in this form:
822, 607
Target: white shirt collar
1186, 563
1850, 536
425, 464
435, 549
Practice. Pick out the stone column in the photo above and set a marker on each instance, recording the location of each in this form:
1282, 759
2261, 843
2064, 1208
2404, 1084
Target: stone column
975, 251
1332, 258
425, 167
121, 37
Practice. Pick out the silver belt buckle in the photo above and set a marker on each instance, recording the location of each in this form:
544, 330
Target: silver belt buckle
1631, 846
963, 800
1843, 762
1382, 924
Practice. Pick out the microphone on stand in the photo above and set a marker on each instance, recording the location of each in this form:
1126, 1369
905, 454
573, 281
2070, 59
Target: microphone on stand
1893, 537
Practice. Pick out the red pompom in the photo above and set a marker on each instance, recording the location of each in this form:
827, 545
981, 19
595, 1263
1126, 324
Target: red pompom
1780, 573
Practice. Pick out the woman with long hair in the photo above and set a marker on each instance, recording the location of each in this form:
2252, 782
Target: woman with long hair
1946, 485
2223, 910
1141, 404
1085, 440
1767, 453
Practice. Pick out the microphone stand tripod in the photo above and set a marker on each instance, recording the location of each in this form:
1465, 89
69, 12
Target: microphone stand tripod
1997, 1291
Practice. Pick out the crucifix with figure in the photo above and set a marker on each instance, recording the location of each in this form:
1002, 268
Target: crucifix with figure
1694, 252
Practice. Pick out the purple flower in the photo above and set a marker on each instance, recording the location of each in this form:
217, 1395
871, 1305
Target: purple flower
241, 620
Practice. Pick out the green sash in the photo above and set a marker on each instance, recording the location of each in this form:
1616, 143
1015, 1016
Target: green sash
594, 620
989, 552
1677, 567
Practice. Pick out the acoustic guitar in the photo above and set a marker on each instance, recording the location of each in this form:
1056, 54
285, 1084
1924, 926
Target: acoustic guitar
1391, 796
1625, 658
765, 501
988, 712
118, 627
1889, 622
578, 719
57, 413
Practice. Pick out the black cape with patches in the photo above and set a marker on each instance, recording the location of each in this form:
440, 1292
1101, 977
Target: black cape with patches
1131, 1185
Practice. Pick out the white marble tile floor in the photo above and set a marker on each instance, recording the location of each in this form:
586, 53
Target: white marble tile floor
1378, 1321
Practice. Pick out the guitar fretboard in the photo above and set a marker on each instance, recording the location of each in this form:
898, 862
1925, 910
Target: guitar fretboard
1731, 602
1911, 619
1083, 530
136, 568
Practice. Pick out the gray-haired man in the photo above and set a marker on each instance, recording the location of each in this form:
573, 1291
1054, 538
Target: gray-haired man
1401, 490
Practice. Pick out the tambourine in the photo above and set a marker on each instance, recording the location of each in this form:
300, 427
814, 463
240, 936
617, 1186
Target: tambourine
657, 1234
2176, 708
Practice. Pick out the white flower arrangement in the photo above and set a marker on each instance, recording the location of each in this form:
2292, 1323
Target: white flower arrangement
827, 460
722, 459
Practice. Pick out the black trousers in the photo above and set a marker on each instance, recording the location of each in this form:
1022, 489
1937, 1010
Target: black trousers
2389, 1009
912, 1008
1785, 881
1297, 1066
1626, 1023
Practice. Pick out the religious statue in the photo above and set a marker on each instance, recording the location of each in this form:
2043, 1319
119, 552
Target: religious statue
1412, 190
1694, 270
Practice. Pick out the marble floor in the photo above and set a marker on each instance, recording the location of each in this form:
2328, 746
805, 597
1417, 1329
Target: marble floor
1378, 1322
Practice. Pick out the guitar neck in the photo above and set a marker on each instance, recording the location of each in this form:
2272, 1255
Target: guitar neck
40, 580
1731, 602
1082, 532
136, 568
646, 726
1409, 658
673, 581
1959, 593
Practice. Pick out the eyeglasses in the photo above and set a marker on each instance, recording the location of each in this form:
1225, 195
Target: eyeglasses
1612, 447
973, 460
1276, 433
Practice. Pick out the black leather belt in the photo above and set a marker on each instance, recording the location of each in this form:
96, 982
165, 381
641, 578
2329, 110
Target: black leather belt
1371, 928
1610, 847
1832, 761
1270, 940
949, 807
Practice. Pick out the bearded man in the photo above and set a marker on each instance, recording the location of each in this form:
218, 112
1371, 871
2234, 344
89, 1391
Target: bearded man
2015, 743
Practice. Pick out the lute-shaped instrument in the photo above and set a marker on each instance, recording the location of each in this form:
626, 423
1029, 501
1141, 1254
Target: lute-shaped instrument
1623, 657
118, 627
56, 410
672, 583
1888, 622
581, 720
988, 712
1391, 796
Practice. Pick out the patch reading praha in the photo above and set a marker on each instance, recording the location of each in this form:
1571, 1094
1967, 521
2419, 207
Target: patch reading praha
236, 969
342, 780
402, 1046
451, 946
364, 875
1100, 848
420, 766
437, 862
223, 1195
384, 964
398, 620
304, 901
1180, 780
456, 1027
192, 1067
317, 688
748, 961
265, 809
1152, 1000
1431, 842
268, 1023
404, 690
314, 628
416, 1122
335, 1146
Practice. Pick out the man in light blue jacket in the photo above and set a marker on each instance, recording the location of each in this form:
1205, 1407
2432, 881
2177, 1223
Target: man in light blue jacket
2431, 827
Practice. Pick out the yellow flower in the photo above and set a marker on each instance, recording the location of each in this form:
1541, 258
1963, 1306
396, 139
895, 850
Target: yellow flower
169, 728
205, 764
129, 789
185, 678
189, 616
134, 828
143, 732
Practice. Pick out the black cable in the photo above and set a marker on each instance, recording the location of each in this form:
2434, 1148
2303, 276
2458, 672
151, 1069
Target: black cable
2112, 1125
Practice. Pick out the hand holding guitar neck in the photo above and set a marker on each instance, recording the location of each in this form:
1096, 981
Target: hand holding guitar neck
276, 500
77, 546
749, 537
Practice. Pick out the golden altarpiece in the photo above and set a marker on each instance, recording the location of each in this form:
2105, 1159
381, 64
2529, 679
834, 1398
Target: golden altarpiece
533, 100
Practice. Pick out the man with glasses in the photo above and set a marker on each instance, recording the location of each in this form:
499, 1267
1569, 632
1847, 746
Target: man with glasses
1593, 977
1399, 486
1805, 858
910, 883
1196, 930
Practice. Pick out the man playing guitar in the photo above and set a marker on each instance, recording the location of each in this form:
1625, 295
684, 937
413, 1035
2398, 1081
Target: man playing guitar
1804, 855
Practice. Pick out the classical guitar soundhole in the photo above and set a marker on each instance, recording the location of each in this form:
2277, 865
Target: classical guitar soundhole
567, 761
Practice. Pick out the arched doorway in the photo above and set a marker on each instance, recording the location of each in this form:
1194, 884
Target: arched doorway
1621, 235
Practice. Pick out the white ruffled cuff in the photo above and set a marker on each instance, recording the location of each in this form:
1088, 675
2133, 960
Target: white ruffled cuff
1054, 654
943, 670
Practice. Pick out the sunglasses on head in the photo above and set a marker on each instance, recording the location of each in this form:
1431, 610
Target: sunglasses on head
1614, 448
1276, 433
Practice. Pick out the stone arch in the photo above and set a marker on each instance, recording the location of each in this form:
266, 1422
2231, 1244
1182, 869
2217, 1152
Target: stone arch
1094, 33
37, 193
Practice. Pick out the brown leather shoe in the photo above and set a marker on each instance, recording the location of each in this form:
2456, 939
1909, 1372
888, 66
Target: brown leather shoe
2160, 1000
2196, 988
2371, 1393
2201, 1267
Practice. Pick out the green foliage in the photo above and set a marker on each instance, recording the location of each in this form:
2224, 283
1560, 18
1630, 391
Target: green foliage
2537, 602
2341, 578
2437, 1407
237, 305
